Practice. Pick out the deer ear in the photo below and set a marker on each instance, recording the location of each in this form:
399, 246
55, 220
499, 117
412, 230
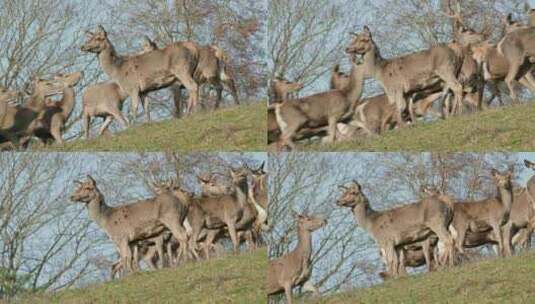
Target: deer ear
90, 178
101, 30
367, 31
262, 166
494, 172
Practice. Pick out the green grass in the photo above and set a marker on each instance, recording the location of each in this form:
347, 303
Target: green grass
231, 279
240, 128
499, 129
510, 280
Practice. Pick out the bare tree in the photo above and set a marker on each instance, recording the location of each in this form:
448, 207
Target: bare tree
43, 244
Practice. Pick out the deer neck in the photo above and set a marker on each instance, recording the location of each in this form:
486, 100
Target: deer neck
67, 102
304, 245
241, 192
110, 61
98, 210
36, 102
373, 63
362, 213
353, 91
505, 195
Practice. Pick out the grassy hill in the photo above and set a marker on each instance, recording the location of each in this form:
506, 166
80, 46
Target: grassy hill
510, 280
231, 279
241, 128
508, 128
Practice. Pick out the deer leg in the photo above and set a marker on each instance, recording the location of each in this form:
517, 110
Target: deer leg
55, 129
145, 102
192, 87
177, 98
179, 232
115, 267
233, 236
514, 69
499, 236
507, 238
105, 125
444, 236
426, 247
288, 292
219, 92
134, 96
231, 85
126, 254
332, 129
120, 118
86, 120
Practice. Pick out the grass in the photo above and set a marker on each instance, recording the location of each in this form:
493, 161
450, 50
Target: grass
509, 280
232, 279
499, 129
240, 128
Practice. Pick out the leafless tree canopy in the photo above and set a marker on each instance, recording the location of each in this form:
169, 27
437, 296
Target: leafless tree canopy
307, 37
344, 255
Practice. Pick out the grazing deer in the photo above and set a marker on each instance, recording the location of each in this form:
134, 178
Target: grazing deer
493, 213
281, 88
402, 225
320, 109
402, 75
518, 48
140, 74
17, 121
294, 268
51, 121
133, 222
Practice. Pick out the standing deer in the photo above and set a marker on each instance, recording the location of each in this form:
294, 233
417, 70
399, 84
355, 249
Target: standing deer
320, 109
491, 213
518, 48
281, 88
133, 222
294, 268
140, 74
402, 75
402, 225
212, 69
51, 121
17, 121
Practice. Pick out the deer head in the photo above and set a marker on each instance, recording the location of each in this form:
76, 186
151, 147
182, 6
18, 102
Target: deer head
362, 43
239, 175
285, 86
7, 95
511, 24
502, 180
96, 42
44, 87
309, 222
210, 186
86, 191
352, 195
69, 80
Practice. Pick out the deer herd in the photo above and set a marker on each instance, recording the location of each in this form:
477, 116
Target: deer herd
183, 64
175, 225
433, 232
452, 75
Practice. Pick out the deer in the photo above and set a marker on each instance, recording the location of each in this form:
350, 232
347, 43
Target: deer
140, 74
402, 75
320, 109
400, 226
136, 221
517, 49
16, 122
212, 69
282, 88
491, 213
51, 121
258, 195
339, 79
295, 268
